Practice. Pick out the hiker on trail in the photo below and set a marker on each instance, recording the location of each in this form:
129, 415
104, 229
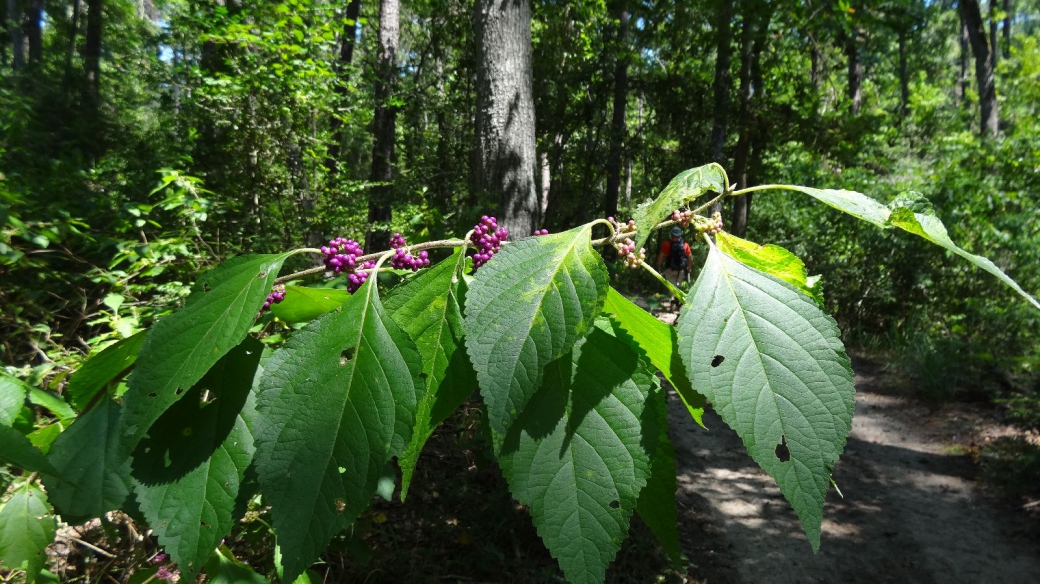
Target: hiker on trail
678, 256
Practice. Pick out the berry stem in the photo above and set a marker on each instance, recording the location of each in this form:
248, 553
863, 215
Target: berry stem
443, 243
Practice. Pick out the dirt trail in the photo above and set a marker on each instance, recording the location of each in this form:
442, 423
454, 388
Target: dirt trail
911, 511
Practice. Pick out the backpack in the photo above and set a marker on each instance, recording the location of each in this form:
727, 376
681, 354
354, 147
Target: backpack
677, 258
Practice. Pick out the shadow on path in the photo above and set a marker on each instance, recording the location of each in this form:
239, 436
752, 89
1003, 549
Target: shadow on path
910, 513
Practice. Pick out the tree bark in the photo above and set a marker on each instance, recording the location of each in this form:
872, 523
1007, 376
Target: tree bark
853, 40
1007, 29
70, 52
723, 82
618, 127
753, 38
505, 121
92, 53
348, 38
993, 43
723, 60
961, 90
384, 125
3, 27
14, 31
983, 66
33, 32
904, 77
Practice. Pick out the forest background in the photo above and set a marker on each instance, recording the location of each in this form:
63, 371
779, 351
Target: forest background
144, 141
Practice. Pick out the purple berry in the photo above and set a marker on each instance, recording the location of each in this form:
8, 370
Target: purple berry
488, 238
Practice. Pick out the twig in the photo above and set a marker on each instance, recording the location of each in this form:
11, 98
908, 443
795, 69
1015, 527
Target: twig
90, 546
1031, 504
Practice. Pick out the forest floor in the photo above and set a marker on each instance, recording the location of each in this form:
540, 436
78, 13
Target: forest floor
912, 510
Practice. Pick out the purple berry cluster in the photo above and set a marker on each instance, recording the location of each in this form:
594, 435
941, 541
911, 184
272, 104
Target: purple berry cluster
541, 232
710, 226
488, 238
627, 250
277, 295
622, 228
341, 255
168, 573
682, 217
403, 260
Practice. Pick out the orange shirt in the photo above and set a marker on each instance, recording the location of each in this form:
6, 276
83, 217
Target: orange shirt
666, 247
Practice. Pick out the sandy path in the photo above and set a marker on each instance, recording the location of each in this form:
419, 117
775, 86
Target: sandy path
911, 512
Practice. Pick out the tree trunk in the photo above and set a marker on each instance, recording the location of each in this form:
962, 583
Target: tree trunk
70, 52
348, 38
1007, 29
384, 125
92, 53
505, 132
753, 37
904, 78
993, 43
618, 127
962, 79
33, 33
853, 40
723, 59
983, 66
14, 30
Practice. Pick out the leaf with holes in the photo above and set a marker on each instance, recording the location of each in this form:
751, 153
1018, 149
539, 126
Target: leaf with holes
686, 186
102, 369
856, 204
89, 458
525, 308
26, 529
16, 449
579, 454
305, 304
335, 403
912, 212
773, 260
657, 504
773, 366
429, 308
182, 347
660, 343
188, 470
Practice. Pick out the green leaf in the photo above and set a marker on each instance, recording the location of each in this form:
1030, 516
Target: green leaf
335, 403
101, 369
686, 186
429, 308
26, 529
659, 342
657, 504
44, 436
182, 347
773, 260
305, 304
774, 368
189, 469
16, 449
52, 402
855, 204
525, 308
223, 568
12, 399
911, 212
579, 453
88, 456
